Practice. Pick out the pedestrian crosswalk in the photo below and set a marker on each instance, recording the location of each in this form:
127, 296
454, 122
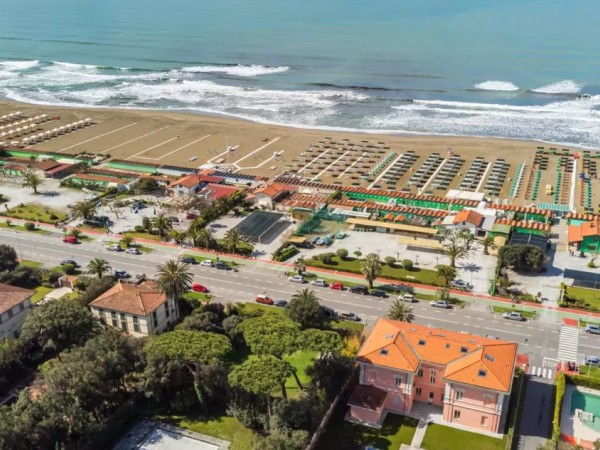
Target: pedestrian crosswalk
541, 372
568, 343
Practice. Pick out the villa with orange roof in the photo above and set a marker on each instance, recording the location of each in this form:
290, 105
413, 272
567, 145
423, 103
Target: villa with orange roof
477, 222
467, 378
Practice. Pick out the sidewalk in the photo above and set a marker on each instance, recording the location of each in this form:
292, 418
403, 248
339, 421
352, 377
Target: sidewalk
487, 300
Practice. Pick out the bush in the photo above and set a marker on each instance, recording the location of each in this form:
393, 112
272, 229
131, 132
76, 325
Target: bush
325, 258
584, 381
53, 217
560, 392
29, 226
286, 253
69, 269
407, 264
139, 229
342, 253
390, 261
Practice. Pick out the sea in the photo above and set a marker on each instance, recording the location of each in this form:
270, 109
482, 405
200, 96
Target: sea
525, 69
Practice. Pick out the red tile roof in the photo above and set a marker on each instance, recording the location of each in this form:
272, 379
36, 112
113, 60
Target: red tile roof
367, 397
274, 189
470, 216
469, 359
217, 191
11, 296
190, 181
586, 229
140, 300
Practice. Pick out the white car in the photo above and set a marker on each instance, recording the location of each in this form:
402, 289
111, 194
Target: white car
406, 298
207, 263
513, 316
296, 279
133, 251
592, 328
114, 248
319, 283
440, 304
460, 284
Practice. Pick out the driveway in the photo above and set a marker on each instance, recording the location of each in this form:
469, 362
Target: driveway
536, 419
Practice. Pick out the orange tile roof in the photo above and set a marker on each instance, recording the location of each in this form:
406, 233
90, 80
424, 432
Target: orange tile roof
468, 215
189, 181
404, 346
89, 177
586, 229
11, 296
140, 300
274, 189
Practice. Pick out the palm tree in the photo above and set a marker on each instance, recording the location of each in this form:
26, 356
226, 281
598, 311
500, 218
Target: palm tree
447, 273
98, 267
84, 210
178, 236
370, 267
201, 237
233, 240
173, 278
126, 240
305, 295
457, 245
161, 224
401, 311
32, 180
487, 243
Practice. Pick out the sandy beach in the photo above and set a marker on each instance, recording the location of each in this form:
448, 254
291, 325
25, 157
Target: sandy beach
191, 140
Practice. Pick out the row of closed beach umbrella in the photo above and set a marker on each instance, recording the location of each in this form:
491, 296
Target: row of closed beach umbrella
44, 136
7, 118
37, 120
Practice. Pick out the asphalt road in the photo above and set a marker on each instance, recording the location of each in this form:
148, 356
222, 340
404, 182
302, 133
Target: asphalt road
538, 338
536, 419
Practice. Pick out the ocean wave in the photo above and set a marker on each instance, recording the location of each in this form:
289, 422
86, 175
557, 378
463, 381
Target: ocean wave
356, 87
15, 66
238, 70
495, 85
562, 87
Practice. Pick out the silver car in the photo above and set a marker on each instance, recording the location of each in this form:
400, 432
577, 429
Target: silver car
513, 316
592, 329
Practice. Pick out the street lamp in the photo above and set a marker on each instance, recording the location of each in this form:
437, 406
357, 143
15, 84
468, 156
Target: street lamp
19, 244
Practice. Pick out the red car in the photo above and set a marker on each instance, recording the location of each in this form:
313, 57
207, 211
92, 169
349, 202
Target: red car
264, 300
70, 240
191, 216
197, 287
337, 286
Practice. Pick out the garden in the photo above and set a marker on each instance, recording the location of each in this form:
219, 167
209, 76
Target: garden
35, 213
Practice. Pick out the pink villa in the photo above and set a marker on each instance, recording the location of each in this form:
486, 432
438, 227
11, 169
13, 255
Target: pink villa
469, 378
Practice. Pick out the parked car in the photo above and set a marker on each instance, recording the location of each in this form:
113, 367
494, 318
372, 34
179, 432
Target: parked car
133, 251
513, 316
191, 216
280, 303
114, 248
460, 284
592, 361
337, 286
69, 261
122, 274
265, 300
174, 219
328, 312
349, 316
296, 279
187, 260
207, 263
402, 287
222, 265
359, 290
379, 293
319, 283
70, 240
592, 329
197, 287
409, 298
440, 304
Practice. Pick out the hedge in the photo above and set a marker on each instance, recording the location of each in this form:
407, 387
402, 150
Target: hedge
584, 381
285, 252
560, 392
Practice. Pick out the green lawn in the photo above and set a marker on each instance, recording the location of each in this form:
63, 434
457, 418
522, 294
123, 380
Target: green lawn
502, 310
152, 237
594, 372
334, 324
396, 430
352, 265
440, 437
590, 296
203, 297
40, 293
300, 360
223, 427
142, 248
28, 263
22, 228
35, 213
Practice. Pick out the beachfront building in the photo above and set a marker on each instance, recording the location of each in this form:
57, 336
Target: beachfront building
267, 196
466, 379
15, 304
585, 236
478, 223
191, 184
137, 309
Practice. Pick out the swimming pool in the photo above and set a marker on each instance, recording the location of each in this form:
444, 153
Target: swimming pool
589, 403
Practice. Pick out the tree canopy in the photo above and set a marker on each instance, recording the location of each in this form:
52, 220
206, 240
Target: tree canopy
8, 258
370, 267
59, 325
304, 308
261, 374
521, 257
401, 311
270, 334
322, 341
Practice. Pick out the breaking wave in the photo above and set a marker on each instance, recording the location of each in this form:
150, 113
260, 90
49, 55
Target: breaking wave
562, 87
497, 86
237, 70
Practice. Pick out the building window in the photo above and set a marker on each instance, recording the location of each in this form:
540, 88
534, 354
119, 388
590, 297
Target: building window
432, 377
21, 307
484, 421
398, 380
10, 313
155, 319
167, 309
113, 317
101, 315
456, 415
123, 322
488, 399
420, 373
442, 396
136, 324
418, 391
458, 394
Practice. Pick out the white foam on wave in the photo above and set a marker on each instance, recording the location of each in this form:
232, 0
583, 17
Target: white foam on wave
562, 87
495, 85
15, 66
71, 66
237, 70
